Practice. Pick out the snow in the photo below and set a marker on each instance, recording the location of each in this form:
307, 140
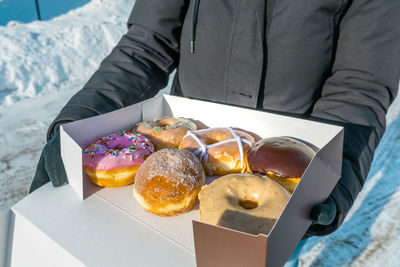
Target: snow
44, 63
42, 57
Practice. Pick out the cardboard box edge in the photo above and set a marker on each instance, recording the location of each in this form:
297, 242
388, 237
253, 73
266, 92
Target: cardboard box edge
5, 255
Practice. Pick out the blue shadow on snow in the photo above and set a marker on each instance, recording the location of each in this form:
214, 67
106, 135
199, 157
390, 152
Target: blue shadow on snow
345, 245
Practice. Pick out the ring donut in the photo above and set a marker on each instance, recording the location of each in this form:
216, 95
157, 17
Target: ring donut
113, 160
243, 202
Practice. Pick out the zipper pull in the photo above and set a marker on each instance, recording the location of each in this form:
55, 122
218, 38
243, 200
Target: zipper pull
195, 8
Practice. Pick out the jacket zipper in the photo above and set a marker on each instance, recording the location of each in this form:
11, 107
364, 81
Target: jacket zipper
268, 18
195, 8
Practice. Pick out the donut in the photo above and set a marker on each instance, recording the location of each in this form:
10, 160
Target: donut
113, 160
168, 182
283, 159
243, 202
221, 150
166, 132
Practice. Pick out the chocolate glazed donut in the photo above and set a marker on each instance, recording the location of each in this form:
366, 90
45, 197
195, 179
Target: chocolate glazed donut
283, 159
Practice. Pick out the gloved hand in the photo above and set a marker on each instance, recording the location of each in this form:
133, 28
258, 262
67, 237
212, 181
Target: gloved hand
50, 166
324, 213
358, 145
323, 216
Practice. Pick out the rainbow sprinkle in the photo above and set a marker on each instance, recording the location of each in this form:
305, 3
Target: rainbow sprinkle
132, 143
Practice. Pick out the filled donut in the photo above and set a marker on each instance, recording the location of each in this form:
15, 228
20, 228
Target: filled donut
244, 202
166, 132
168, 182
221, 150
283, 159
113, 160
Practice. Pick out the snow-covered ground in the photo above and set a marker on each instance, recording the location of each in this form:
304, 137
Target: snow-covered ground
42, 57
43, 63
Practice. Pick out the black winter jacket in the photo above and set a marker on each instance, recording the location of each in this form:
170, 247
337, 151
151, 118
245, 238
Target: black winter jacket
337, 60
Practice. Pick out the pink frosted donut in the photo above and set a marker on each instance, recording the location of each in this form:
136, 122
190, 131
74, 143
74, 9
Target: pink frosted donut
113, 160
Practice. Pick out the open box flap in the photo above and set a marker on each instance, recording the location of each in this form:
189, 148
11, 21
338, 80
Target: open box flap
73, 166
255, 121
155, 108
212, 250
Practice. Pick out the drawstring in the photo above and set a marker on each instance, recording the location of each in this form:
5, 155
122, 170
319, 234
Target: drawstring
195, 8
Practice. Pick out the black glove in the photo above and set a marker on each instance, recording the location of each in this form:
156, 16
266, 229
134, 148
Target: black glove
50, 166
324, 213
323, 217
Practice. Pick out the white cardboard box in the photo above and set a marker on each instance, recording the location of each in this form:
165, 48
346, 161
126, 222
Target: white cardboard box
83, 224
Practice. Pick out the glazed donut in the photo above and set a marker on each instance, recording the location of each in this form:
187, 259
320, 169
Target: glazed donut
283, 159
168, 182
113, 160
221, 150
244, 202
166, 132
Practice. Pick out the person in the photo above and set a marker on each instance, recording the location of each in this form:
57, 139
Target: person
333, 60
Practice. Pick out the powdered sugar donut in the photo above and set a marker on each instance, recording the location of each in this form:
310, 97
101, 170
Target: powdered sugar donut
168, 182
113, 160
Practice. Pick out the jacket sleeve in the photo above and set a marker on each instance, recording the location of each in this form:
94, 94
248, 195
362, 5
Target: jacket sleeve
137, 68
363, 82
